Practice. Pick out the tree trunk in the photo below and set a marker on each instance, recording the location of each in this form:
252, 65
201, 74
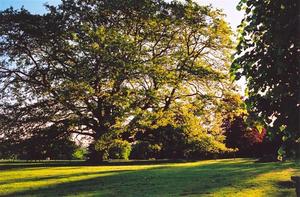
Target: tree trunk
94, 155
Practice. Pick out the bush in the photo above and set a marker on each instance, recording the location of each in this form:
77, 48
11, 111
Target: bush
107, 148
119, 149
80, 153
145, 150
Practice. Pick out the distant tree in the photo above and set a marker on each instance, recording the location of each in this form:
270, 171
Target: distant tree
47, 143
268, 56
98, 68
7, 149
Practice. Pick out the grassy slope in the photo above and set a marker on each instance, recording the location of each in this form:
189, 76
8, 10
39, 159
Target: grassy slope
240, 177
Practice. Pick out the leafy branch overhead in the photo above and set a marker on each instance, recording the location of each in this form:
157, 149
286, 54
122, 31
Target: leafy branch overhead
268, 55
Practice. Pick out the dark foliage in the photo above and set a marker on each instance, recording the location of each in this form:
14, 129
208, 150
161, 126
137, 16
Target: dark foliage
249, 141
49, 144
145, 150
268, 55
172, 143
169, 142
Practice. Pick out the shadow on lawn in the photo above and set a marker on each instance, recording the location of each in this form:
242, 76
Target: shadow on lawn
202, 179
41, 178
6, 165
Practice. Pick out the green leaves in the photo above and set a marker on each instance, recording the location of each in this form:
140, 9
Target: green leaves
265, 56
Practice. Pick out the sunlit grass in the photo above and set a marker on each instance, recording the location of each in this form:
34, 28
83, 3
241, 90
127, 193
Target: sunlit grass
240, 177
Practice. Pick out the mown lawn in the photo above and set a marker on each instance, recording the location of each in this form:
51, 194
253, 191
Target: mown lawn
228, 177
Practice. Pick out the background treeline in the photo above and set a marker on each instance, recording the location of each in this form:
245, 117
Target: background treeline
42, 148
162, 143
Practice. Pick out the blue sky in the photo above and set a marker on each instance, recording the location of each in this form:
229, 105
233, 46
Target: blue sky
35, 6
234, 17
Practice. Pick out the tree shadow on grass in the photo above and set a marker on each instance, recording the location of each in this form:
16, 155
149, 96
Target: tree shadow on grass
198, 180
7, 165
51, 177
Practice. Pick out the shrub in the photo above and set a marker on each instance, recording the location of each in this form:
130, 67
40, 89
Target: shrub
119, 149
80, 153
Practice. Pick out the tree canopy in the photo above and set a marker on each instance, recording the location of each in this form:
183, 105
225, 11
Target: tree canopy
99, 68
268, 55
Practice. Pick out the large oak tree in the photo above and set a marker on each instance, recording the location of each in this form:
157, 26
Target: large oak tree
101, 67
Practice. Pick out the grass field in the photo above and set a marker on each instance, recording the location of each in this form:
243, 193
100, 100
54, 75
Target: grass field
240, 177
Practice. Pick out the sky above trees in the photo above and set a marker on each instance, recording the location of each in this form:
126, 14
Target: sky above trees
233, 16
